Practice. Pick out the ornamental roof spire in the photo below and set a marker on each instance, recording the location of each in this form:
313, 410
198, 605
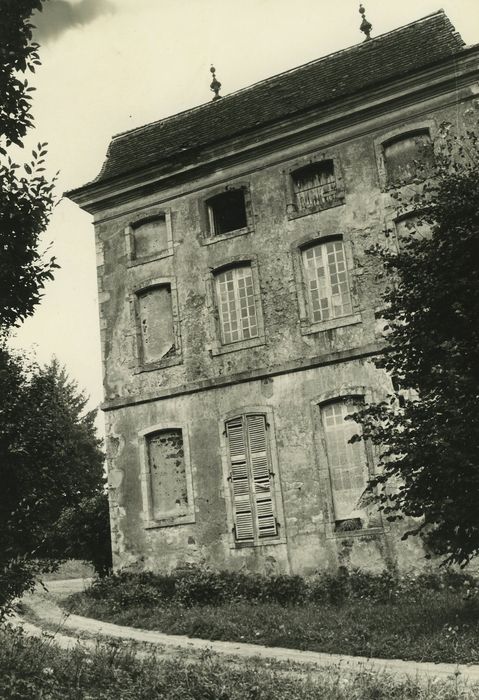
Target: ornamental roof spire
365, 25
215, 84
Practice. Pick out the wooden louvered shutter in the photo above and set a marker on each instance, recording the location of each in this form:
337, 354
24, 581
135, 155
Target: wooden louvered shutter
261, 475
240, 484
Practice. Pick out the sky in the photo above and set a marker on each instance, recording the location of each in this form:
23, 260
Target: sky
112, 65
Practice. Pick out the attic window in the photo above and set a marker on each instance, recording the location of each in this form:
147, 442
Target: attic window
408, 157
227, 212
314, 186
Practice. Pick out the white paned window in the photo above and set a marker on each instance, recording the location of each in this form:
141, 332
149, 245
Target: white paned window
314, 185
251, 478
236, 304
327, 281
348, 467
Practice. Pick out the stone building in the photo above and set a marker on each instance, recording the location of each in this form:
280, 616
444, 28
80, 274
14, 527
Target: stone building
239, 310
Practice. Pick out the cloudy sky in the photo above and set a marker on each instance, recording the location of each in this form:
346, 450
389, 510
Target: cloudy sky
111, 65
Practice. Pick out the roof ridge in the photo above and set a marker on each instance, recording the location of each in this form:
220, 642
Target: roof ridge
145, 127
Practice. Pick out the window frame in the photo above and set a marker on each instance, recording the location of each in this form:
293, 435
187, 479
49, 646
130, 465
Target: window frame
406, 129
143, 218
307, 324
175, 359
281, 537
292, 209
361, 394
207, 235
217, 347
149, 519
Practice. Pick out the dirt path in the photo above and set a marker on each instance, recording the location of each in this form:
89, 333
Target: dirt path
71, 628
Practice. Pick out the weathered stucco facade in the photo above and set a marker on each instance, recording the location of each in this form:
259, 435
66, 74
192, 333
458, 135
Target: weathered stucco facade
223, 440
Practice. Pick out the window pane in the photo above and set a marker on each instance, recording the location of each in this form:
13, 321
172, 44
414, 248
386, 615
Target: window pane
167, 473
347, 462
327, 281
156, 321
236, 304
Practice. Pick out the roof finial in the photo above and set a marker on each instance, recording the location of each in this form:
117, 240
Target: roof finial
215, 84
365, 25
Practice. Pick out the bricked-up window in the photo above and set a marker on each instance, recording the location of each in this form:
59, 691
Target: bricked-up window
156, 323
150, 237
251, 479
347, 462
314, 185
408, 157
227, 212
168, 488
236, 304
326, 279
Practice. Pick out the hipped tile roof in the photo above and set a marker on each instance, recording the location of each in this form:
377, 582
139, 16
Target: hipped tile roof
318, 83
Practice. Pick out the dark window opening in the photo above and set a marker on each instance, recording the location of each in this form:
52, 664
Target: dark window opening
315, 185
348, 525
227, 212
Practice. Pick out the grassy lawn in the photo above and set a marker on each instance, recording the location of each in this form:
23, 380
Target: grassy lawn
36, 668
439, 624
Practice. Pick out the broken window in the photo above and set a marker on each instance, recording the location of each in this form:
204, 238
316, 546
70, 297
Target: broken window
408, 157
347, 462
314, 185
251, 478
167, 473
150, 237
156, 323
227, 212
327, 281
236, 304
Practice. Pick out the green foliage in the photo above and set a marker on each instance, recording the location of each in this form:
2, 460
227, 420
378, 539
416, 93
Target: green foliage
50, 461
429, 616
37, 668
428, 440
26, 196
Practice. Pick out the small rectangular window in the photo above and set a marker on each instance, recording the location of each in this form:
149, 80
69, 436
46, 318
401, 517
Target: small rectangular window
227, 212
327, 281
408, 157
347, 462
314, 185
251, 478
156, 323
168, 487
236, 304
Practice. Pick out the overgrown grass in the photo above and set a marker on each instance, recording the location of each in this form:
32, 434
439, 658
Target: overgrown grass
429, 618
35, 668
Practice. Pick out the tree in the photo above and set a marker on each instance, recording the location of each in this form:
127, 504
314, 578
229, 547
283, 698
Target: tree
427, 431
50, 457
26, 196
53, 502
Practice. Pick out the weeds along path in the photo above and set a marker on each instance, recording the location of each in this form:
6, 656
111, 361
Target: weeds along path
44, 613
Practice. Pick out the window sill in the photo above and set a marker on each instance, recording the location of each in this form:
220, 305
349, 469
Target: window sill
238, 345
262, 543
339, 201
339, 322
149, 258
170, 521
212, 238
161, 364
